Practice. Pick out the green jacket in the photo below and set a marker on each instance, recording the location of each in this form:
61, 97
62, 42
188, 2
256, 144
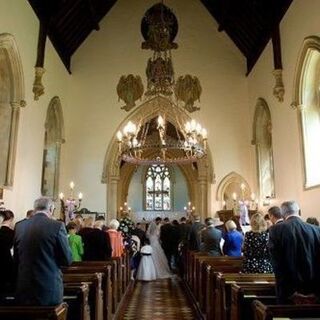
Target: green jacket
76, 245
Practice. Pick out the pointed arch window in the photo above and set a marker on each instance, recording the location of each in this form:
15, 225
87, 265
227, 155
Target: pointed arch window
262, 139
307, 101
158, 188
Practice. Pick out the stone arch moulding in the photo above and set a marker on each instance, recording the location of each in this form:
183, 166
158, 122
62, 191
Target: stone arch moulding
145, 112
54, 137
232, 177
56, 109
16, 96
262, 140
309, 45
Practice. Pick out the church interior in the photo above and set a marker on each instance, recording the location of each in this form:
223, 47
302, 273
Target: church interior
160, 109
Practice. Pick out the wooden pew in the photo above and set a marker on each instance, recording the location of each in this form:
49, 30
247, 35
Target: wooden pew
106, 286
223, 289
77, 298
34, 313
193, 275
210, 293
269, 312
115, 289
221, 264
242, 296
94, 281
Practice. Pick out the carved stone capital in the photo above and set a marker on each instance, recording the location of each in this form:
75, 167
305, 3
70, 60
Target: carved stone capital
278, 90
38, 88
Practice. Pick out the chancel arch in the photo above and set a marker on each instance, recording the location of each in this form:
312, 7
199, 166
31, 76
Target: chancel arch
54, 137
12, 95
230, 185
307, 101
262, 140
117, 175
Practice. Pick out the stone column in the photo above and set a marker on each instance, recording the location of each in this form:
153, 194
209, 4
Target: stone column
203, 187
112, 194
15, 114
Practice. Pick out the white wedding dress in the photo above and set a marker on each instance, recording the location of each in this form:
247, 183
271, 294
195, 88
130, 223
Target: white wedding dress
159, 259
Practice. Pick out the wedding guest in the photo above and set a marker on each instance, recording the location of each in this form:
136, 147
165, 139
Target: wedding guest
233, 240
210, 238
97, 245
194, 235
313, 220
294, 246
139, 232
275, 215
184, 230
41, 247
75, 242
6, 244
255, 247
116, 239
166, 238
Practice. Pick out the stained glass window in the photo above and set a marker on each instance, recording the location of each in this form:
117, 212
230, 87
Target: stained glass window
158, 188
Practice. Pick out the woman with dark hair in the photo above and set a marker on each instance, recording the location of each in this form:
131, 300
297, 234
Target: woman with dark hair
6, 244
255, 247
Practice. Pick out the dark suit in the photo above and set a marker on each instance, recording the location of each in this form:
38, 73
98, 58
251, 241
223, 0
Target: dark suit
210, 241
41, 247
194, 236
295, 252
166, 237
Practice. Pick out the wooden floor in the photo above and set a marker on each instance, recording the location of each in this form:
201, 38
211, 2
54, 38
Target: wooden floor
159, 300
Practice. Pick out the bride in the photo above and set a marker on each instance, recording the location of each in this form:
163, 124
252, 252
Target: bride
159, 259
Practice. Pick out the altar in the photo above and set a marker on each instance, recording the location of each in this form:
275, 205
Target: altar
147, 216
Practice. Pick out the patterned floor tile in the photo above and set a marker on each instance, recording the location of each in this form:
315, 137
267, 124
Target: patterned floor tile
159, 300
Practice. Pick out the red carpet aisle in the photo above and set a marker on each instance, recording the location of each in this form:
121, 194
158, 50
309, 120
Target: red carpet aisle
159, 300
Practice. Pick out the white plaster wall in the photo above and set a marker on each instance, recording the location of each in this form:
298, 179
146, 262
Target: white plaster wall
94, 113
300, 21
18, 19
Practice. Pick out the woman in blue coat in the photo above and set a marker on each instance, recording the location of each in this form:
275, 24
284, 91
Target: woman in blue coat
233, 240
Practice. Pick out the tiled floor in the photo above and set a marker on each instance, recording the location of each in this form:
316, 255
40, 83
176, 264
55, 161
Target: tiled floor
159, 300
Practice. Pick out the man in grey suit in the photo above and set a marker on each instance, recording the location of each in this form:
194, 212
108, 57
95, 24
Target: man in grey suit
40, 248
210, 238
295, 252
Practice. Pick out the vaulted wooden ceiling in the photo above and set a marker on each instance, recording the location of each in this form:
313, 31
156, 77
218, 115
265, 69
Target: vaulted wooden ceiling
249, 23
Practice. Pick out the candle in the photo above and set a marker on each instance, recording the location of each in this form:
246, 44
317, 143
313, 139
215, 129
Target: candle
234, 196
80, 196
189, 203
184, 208
120, 208
242, 186
223, 203
125, 204
193, 208
61, 196
71, 185
253, 196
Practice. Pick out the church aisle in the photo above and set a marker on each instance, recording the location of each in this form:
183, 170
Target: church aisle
159, 300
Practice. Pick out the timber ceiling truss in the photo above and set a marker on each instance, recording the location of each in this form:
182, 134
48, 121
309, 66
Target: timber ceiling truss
249, 23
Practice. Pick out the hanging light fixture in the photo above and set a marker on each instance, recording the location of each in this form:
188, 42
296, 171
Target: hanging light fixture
139, 145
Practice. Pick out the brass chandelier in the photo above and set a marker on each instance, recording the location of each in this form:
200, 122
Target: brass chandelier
158, 141
141, 144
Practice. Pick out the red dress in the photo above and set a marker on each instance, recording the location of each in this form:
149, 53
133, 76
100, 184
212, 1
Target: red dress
116, 241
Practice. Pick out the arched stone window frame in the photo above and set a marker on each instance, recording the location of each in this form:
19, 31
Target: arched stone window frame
54, 119
261, 110
310, 46
17, 96
144, 176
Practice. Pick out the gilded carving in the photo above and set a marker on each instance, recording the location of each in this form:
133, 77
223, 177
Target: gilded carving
129, 89
38, 87
278, 90
188, 90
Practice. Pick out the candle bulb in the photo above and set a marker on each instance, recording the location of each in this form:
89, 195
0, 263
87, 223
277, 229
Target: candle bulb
189, 203
234, 196
253, 196
193, 208
184, 208
223, 203
71, 185
61, 196
80, 196
242, 186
